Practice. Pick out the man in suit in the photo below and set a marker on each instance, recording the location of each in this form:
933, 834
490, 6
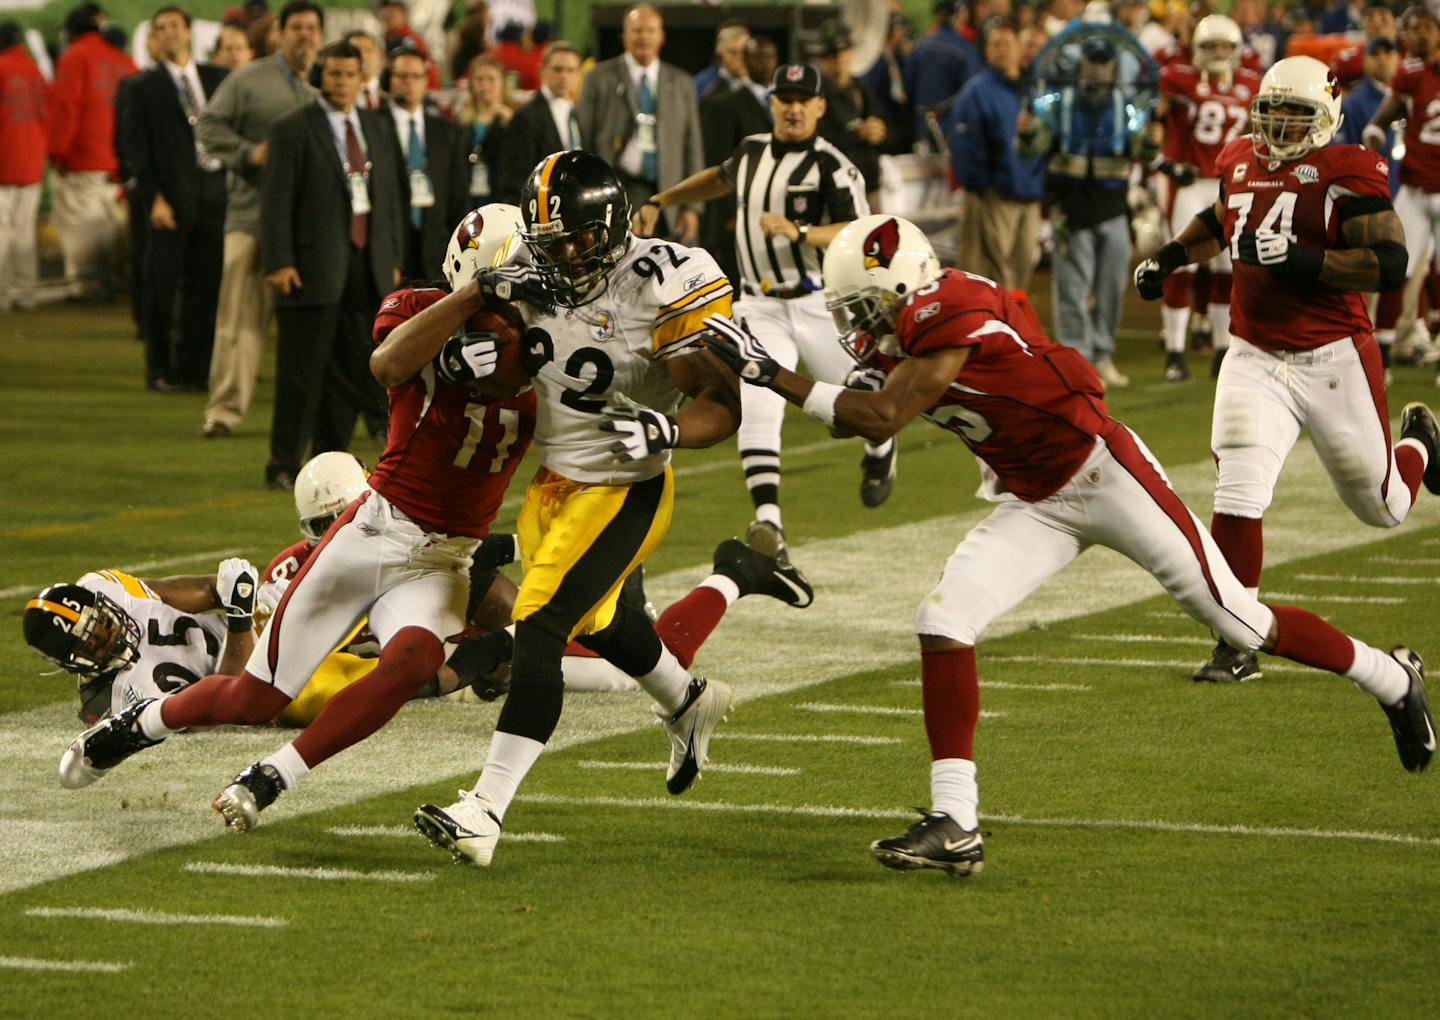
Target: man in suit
639, 114
544, 125
730, 114
180, 188
332, 241
436, 164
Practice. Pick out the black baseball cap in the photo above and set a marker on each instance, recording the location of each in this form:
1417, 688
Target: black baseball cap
1381, 42
796, 79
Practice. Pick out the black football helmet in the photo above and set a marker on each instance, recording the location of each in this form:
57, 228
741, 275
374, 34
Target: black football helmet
82, 631
576, 224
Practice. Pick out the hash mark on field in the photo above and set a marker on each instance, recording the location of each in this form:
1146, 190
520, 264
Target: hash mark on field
1005, 685
820, 706
156, 917
1358, 600
1402, 561
805, 738
1360, 579
325, 874
1135, 639
743, 770
406, 831
882, 814
1271, 665
134, 568
30, 963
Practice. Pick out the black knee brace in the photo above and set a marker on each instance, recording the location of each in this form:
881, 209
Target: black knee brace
630, 643
537, 685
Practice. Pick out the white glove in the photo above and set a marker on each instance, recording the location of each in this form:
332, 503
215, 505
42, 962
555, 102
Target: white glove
641, 431
1272, 249
468, 356
733, 343
235, 582
267, 599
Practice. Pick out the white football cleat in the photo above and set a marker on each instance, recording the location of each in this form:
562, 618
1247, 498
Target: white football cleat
690, 728
103, 746
469, 828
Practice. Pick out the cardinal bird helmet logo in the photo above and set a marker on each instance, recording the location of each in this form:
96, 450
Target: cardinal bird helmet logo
881, 244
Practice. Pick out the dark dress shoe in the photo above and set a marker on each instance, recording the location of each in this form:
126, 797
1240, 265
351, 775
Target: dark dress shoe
216, 430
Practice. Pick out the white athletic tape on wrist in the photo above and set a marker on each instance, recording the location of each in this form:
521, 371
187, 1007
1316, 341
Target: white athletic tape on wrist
820, 403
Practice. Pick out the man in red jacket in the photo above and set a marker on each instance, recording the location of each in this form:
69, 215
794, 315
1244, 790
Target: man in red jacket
81, 124
22, 163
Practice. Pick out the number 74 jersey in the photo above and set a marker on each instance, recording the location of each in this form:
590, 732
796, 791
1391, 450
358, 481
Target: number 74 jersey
652, 308
1305, 200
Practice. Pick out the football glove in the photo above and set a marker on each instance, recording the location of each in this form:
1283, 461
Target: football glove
1150, 274
642, 431
468, 356
515, 283
871, 380
1181, 173
235, 583
733, 343
478, 661
1281, 254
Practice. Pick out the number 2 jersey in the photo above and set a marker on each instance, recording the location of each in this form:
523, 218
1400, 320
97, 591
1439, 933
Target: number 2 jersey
652, 308
1205, 113
176, 648
450, 452
1304, 198
1030, 408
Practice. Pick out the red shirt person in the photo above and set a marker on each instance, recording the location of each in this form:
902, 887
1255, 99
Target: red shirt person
22, 165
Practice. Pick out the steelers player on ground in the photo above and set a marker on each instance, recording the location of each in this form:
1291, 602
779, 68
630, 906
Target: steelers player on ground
610, 363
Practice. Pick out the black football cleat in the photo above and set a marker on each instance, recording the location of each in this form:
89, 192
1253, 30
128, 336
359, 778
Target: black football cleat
103, 746
1228, 666
249, 793
754, 573
877, 476
1410, 718
1176, 369
935, 841
1418, 423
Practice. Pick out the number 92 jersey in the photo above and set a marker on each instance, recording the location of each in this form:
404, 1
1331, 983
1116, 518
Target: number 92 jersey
652, 308
1305, 199
176, 648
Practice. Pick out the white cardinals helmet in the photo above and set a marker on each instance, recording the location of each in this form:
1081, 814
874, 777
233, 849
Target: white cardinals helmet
481, 240
1207, 43
1297, 109
325, 486
871, 267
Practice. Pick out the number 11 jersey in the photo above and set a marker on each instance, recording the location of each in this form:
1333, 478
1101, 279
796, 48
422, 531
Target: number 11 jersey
1305, 199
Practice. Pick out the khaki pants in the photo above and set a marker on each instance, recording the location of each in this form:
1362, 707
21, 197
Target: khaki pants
18, 264
1000, 237
85, 211
241, 321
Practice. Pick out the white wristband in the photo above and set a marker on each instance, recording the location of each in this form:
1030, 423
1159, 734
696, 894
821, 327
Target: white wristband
821, 401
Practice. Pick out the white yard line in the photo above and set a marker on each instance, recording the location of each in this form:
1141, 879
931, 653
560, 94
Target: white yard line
822, 706
1402, 561
1005, 685
646, 766
882, 814
1363, 580
408, 832
156, 917
1339, 600
804, 738
214, 555
1269, 665
1138, 639
323, 874
30, 963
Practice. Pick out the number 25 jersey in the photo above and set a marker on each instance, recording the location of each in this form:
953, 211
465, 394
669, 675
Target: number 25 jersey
1304, 198
652, 308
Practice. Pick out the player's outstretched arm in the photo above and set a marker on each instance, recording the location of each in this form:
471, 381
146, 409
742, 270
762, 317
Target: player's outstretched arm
698, 187
1200, 239
1391, 108
414, 343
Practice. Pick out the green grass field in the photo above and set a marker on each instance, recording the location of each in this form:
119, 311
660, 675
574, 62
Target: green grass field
1155, 848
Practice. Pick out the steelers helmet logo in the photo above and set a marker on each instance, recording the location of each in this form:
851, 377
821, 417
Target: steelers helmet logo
881, 244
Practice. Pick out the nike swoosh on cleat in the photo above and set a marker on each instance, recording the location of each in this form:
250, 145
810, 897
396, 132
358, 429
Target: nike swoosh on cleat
800, 593
1430, 743
953, 845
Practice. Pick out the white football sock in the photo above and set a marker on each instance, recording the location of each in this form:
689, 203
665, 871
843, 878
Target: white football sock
769, 512
727, 588
954, 791
1177, 328
511, 757
1378, 674
289, 764
1220, 326
667, 683
882, 450
152, 724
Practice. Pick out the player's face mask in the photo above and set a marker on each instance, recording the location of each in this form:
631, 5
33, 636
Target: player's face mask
865, 324
574, 264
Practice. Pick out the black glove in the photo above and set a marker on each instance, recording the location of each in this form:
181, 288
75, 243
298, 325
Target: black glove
1281, 254
468, 356
1150, 274
871, 380
733, 343
235, 584
476, 658
642, 431
515, 283
1181, 173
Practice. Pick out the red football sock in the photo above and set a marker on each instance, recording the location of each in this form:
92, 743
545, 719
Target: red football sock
1177, 290
1387, 311
1242, 541
1303, 637
1410, 462
684, 626
950, 689
408, 659
243, 700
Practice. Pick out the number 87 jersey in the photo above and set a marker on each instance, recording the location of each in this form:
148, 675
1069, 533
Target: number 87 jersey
1305, 199
651, 308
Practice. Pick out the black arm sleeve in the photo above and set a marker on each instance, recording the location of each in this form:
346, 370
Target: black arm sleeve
1212, 223
1362, 205
1393, 259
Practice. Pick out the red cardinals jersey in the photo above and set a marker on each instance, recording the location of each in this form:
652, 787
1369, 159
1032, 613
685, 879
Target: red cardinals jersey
1418, 85
1028, 407
450, 452
1205, 113
287, 561
1301, 198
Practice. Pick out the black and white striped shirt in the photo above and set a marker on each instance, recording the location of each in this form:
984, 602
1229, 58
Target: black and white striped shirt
806, 182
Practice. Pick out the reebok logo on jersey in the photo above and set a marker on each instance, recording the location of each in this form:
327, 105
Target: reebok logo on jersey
927, 311
693, 282
1306, 174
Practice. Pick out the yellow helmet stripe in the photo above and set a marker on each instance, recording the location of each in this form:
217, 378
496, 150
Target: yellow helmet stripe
54, 607
542, 194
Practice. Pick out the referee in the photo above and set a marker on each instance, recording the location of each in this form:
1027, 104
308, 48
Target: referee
794, 191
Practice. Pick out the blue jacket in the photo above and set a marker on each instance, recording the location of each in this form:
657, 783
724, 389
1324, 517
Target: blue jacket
980, 130
939, 65
1357, 108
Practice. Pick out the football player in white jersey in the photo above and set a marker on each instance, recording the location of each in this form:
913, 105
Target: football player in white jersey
610, 363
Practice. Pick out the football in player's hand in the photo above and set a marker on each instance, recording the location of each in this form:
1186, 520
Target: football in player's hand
509, 377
